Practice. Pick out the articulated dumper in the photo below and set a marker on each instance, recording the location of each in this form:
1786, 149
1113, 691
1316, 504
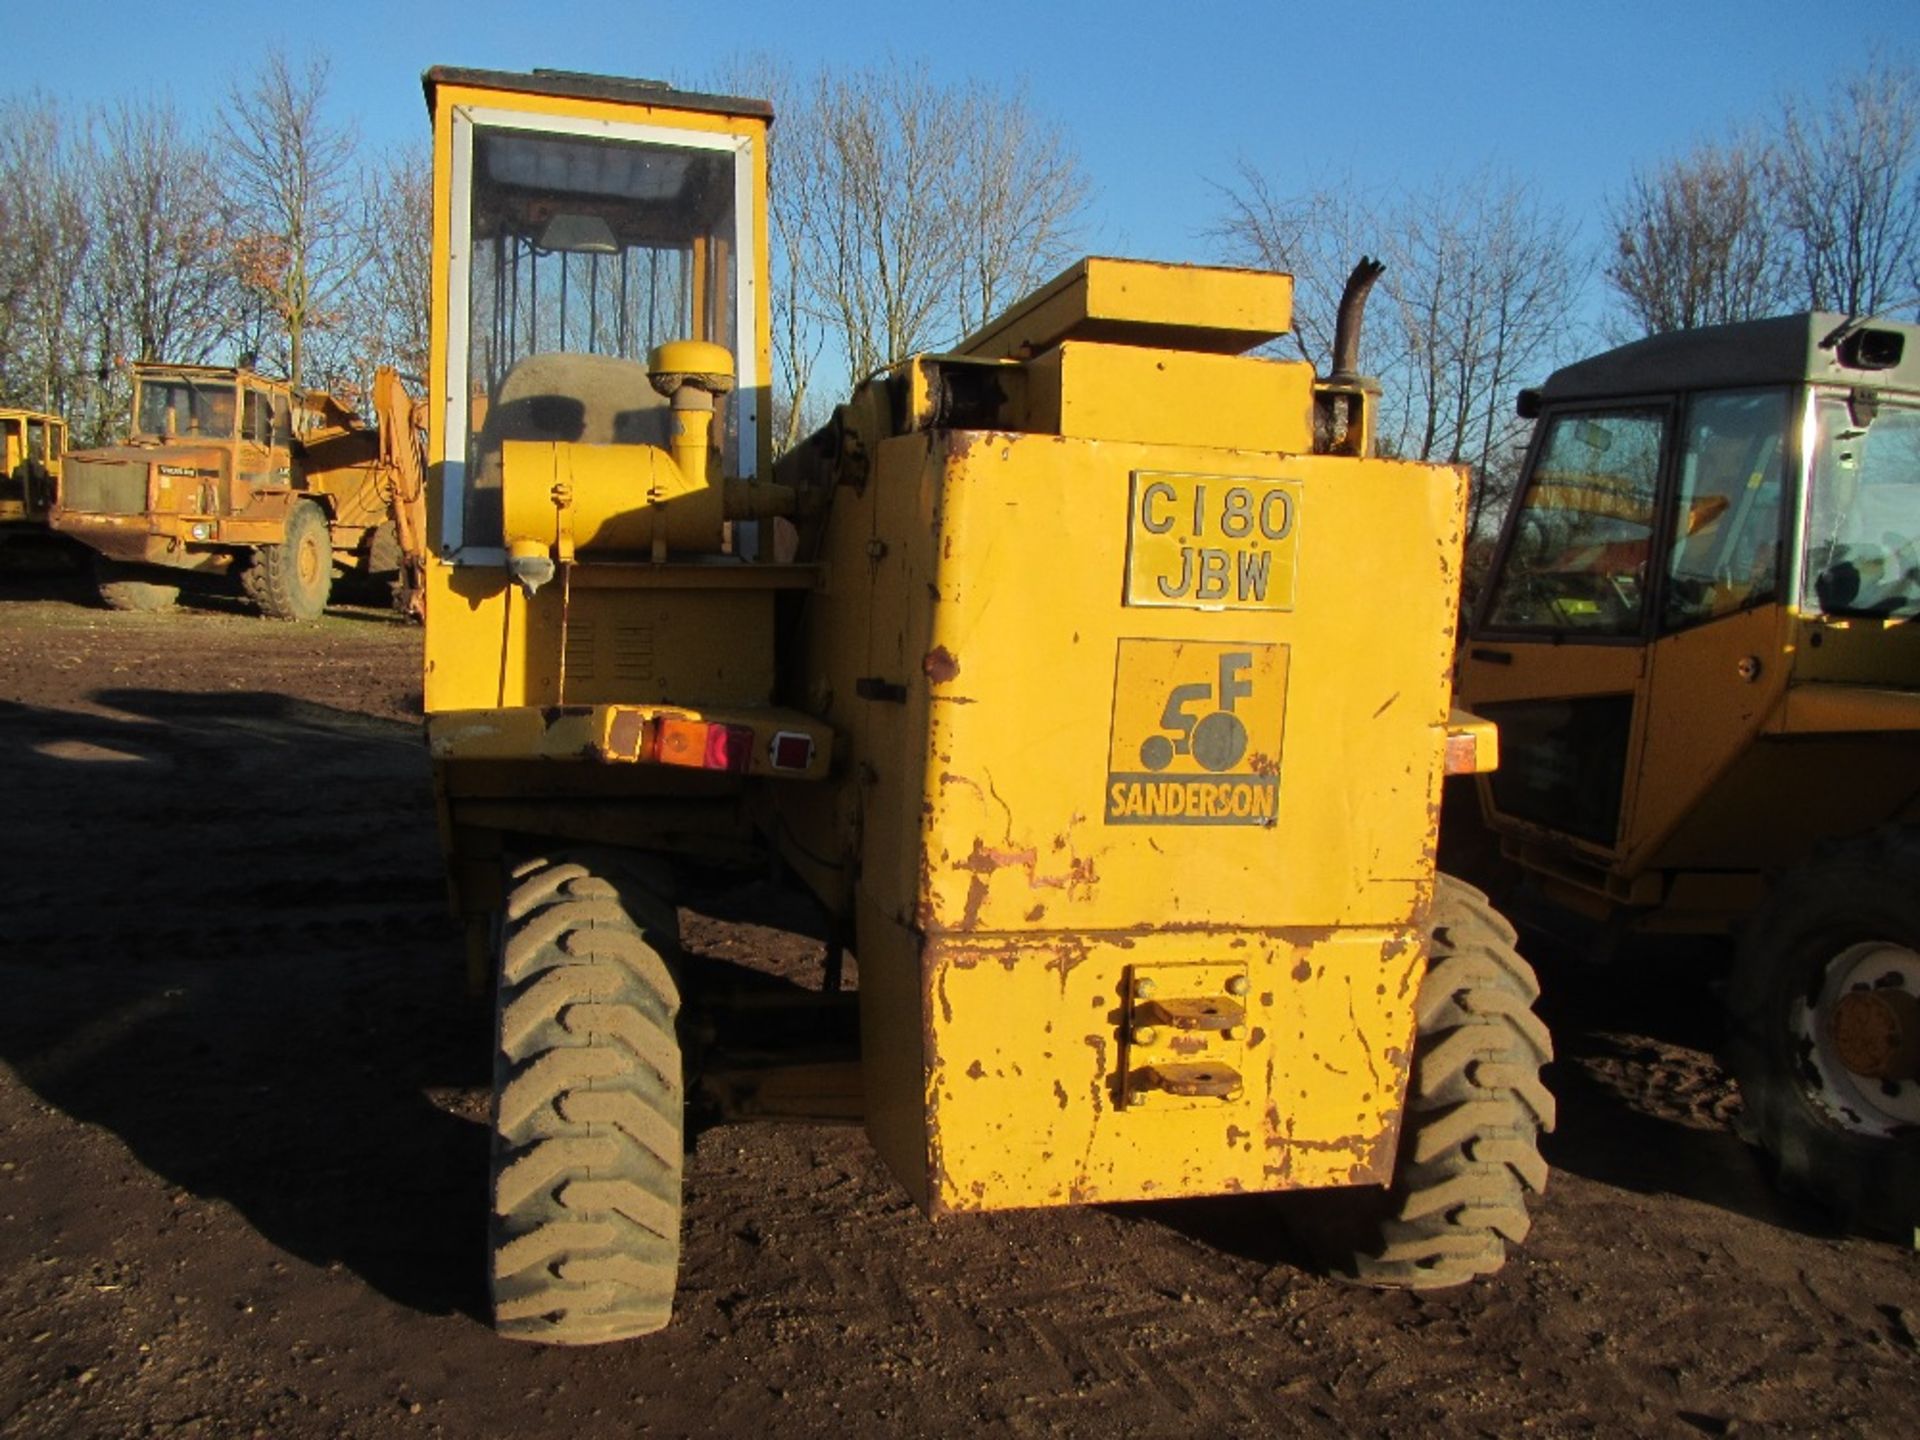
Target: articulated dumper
1094, 677
229, 472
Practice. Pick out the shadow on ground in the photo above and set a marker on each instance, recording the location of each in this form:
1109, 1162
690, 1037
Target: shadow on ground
229, 947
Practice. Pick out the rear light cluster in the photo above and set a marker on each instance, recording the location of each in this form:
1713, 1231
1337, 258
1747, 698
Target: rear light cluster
702, 745
705, 744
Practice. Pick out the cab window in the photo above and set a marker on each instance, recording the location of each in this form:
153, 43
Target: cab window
1576, 560
254, 420
1725, 549
1863, 510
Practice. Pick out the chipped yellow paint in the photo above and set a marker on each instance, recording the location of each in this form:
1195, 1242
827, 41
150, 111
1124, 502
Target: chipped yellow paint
1023, 1080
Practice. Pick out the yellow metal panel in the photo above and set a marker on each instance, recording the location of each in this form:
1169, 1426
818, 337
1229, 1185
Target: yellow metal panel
1028, 684
1026, 1050
1171, 397
1831, 709
1708, 691
1140, 302
488, 645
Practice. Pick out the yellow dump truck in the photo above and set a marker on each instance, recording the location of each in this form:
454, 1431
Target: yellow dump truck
1699, 644
1095, 677
228, 472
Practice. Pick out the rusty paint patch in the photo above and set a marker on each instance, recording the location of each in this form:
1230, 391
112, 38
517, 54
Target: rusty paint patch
1036, 914
1303, 972
940, 665
1261, 763
1060, 1094
976, 1071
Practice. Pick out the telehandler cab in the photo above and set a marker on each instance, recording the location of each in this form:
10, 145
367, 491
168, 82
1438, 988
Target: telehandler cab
1699, 645
1095, 677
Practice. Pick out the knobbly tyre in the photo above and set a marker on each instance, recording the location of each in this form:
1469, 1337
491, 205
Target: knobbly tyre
1699, 644
1094, 678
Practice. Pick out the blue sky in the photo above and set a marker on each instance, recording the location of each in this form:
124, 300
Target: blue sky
1160, 98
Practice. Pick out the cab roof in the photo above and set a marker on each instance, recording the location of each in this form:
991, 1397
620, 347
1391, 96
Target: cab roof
1784, 350
574, 85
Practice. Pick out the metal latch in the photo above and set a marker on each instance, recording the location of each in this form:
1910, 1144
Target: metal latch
1184, 1035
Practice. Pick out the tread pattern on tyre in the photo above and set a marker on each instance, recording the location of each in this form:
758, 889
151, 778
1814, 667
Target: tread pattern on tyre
121, 590
1860, 887
271, 576
1469, 1152
588, 1132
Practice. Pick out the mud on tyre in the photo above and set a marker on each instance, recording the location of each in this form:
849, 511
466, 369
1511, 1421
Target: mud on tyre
1823, 1033
1469, 1151
584, 1236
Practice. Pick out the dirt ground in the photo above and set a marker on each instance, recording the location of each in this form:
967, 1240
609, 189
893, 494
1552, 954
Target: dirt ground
242, 1178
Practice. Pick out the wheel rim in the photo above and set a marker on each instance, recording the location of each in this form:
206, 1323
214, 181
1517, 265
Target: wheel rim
1863, 1015
308, 561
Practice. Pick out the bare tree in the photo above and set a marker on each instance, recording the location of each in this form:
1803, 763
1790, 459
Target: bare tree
1314, 235
1847, 178
44, 239
1480, 279
296, 228
793, 188
1016, 197
928, 206
386, 306
155, 284
1695, 241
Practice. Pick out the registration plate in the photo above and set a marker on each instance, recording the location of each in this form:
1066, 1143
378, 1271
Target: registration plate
1212, 542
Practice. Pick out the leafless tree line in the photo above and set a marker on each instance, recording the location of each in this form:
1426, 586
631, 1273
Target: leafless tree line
905, 213
129, 233
1819, 209
1814, 207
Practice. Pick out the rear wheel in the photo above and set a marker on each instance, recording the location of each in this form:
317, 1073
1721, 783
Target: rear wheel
129, 588
587, 1113
1824, 1030
1469, 1153
291, 580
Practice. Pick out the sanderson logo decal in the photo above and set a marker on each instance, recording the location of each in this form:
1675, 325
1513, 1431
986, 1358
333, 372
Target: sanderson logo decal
1196, 733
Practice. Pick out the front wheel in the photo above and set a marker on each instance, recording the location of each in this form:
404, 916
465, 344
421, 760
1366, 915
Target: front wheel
587, 1111
292, 580
1824, 1030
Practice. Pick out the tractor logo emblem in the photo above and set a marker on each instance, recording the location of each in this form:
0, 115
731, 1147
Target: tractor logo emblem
1196, 733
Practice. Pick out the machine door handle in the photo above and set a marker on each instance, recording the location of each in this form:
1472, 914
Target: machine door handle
1492, 657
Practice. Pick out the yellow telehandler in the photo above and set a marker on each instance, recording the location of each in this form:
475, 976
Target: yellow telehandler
1699, 644
1094, 677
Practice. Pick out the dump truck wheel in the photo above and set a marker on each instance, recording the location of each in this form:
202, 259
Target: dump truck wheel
291, 580
587, 1124
123, 587
1823, 1030
1469, 1153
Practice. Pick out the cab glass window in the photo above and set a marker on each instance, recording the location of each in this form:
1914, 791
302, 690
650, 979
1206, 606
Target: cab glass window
1863, 510
179, 406
1725, 553
37, 448
1577, 558
254, 421
585, 254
